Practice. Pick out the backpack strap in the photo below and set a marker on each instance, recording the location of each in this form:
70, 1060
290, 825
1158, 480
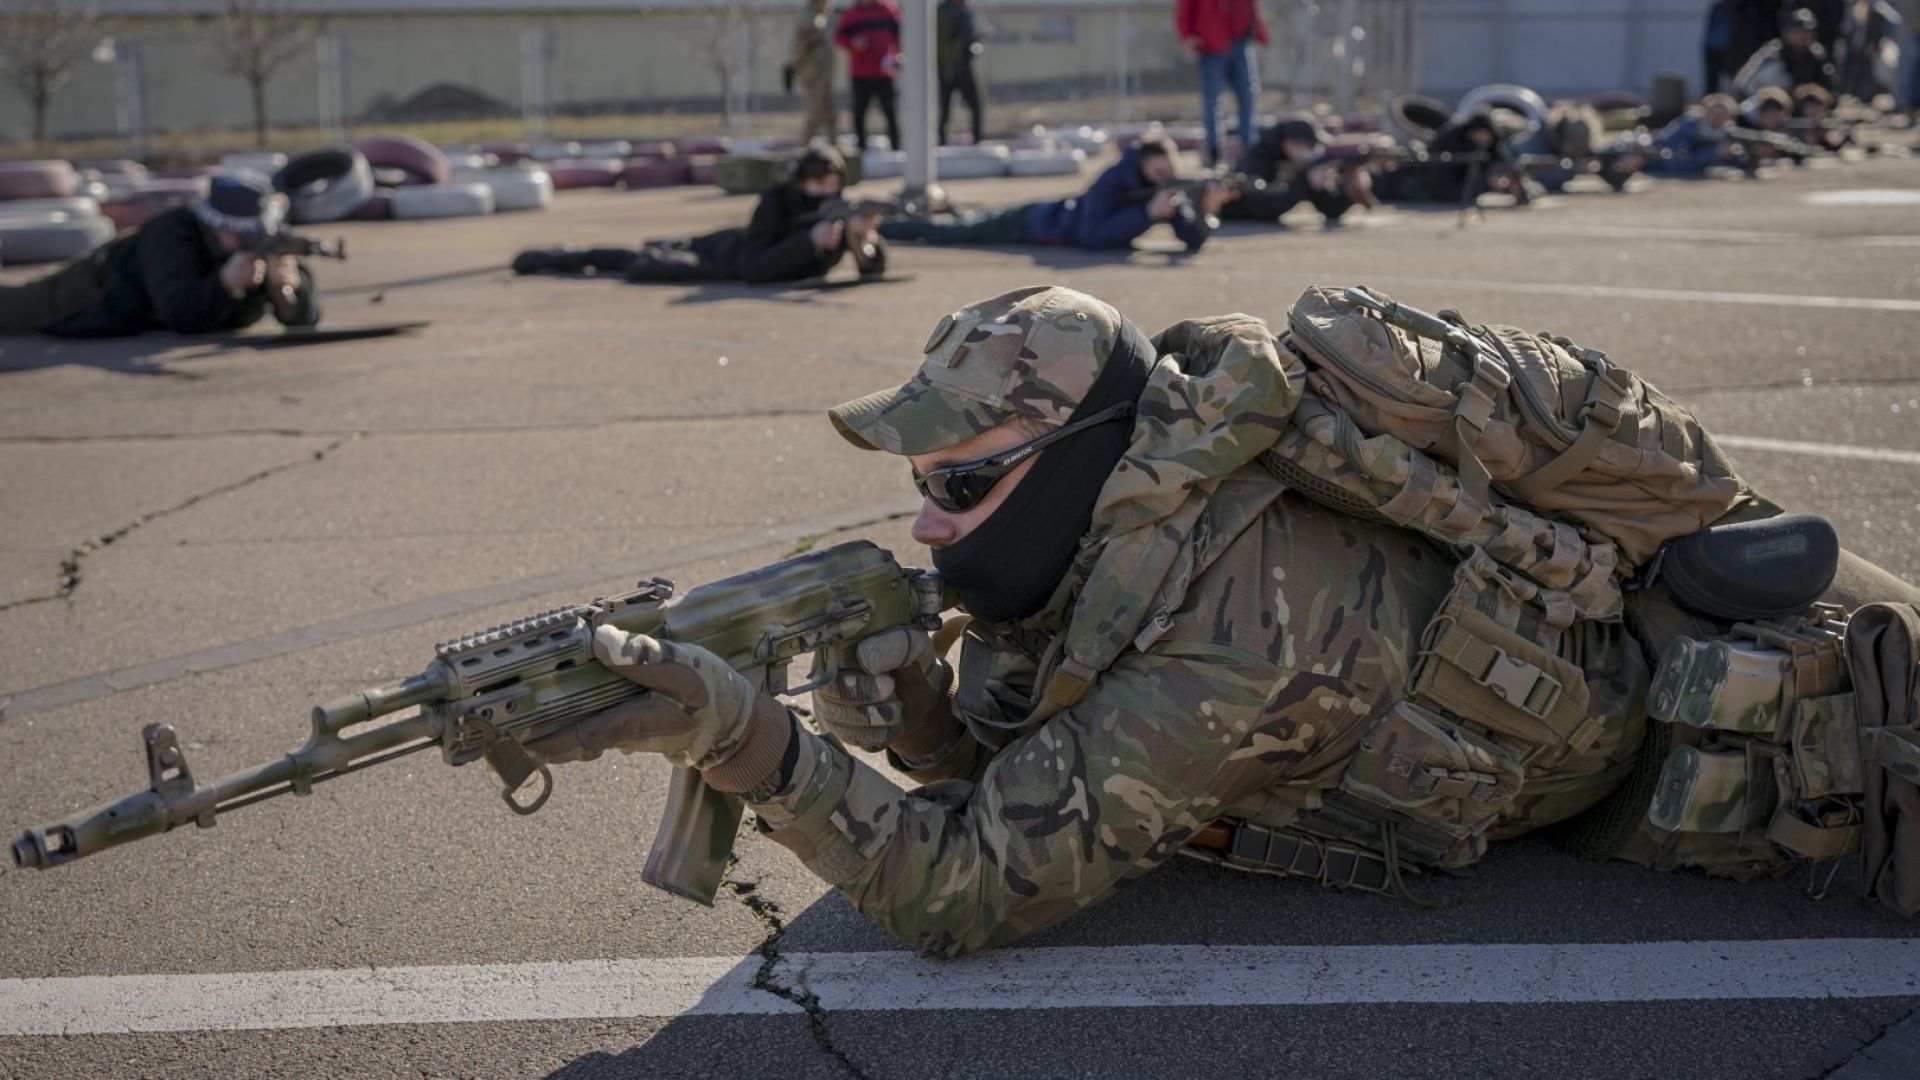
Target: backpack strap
1600, 417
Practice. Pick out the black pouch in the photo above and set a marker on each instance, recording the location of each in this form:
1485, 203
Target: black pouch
1766, 569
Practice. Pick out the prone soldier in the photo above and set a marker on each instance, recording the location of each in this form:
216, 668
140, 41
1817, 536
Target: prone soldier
1133, 195
1291, 164
222, 264
1172, 650
794, 234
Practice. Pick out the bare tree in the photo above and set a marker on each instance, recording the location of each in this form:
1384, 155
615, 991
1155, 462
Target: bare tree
41, 40
727, 40
253, 40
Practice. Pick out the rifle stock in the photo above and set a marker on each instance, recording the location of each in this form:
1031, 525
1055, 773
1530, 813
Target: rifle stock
488, 693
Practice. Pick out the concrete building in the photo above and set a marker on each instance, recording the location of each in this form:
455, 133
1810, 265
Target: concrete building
384, 61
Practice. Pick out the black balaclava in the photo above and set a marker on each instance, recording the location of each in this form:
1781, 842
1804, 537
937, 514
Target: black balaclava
1008, 566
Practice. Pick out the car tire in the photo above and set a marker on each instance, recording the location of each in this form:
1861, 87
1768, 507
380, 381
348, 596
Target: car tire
1413, 118
570, 173
513, 189
326, 185
420, 160
1521, 100
1067, 162
664, 172
38, 180
51, 237
444, 201
75, 207
970, 162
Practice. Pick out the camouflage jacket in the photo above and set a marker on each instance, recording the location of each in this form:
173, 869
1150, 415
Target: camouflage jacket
812, 54
1242, 637
1241, 640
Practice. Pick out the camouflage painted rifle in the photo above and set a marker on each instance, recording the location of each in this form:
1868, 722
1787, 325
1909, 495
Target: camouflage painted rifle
299, 245
486, 694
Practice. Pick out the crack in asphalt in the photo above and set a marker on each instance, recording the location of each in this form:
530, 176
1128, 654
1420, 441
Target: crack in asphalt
768, 914
1880, 1032
71, 568
417, 430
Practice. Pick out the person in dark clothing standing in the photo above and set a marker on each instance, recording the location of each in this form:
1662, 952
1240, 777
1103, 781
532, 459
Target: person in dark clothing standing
1792, 60
870, 32
183, 271
1131, 197
1290, 161
787, 239
1716, 43
956, 45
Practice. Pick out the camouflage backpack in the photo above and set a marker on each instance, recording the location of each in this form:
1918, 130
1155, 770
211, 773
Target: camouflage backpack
1555, 473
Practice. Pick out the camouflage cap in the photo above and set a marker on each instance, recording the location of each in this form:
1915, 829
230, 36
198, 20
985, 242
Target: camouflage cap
1032, 352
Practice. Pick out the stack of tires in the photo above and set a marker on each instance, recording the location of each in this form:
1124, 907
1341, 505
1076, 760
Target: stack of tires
48, 213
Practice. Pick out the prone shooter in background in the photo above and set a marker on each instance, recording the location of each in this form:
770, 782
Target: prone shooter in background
801, 229
1292, 163
1133, 195
220, 265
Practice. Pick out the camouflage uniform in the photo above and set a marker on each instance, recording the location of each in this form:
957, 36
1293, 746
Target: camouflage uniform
1218, 642
812, 61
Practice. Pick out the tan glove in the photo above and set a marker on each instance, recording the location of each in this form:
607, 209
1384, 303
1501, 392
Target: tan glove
890, 685
701, 714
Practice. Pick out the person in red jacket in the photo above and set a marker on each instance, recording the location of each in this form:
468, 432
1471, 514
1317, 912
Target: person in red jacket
1220, 34
870, 32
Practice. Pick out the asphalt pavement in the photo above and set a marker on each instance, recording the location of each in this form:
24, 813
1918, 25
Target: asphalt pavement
217, 536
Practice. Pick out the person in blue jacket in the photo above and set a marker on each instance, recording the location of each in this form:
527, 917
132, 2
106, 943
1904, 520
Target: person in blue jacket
1129, 198
1696, 140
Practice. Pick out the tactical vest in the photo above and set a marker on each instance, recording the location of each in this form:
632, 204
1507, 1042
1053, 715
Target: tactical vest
1557, 475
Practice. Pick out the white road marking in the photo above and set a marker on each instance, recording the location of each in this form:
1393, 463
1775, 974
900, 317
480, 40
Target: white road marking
1814, 449
1863, 197
1680, 296
1138, 976
1727, 236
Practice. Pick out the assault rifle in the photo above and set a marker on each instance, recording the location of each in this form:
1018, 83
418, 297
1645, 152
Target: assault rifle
488, 693
1756, 145
299, 245
844, 210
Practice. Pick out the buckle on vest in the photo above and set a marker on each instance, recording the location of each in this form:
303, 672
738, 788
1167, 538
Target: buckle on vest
1516, 682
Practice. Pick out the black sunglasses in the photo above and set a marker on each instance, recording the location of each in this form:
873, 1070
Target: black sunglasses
959, 488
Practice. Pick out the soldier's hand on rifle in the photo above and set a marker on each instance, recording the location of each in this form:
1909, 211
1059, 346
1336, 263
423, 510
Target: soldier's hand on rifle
863, 228
883, 682
1217, 195
1163, 203
827, 235
242, 273
282, 280
699, 712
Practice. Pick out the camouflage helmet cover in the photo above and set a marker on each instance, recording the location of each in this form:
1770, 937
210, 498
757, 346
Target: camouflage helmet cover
1032, 352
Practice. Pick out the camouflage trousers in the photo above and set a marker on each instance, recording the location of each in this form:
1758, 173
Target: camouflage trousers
822, 119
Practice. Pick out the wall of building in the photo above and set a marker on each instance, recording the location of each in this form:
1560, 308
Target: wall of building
625, 55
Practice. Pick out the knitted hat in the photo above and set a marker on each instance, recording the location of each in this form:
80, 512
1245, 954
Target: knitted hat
243, 204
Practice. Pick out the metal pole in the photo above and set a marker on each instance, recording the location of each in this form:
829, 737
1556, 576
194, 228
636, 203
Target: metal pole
130, 93
536, 92
330, 60
1343, 50
916, 112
